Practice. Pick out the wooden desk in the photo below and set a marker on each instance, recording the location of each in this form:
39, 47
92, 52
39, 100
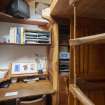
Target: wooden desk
27, 90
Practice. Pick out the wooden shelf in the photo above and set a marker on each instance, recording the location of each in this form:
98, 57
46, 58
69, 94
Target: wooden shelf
8, 18
86, 8
87, 39
27, 75
23, 75
25, 44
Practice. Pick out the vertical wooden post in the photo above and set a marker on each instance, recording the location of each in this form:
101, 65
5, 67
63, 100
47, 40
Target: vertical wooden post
75, 100
75, 3
55, 97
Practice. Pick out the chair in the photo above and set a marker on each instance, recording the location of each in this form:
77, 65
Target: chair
39, 101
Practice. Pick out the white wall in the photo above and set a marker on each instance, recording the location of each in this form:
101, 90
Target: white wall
17, 53
5, 27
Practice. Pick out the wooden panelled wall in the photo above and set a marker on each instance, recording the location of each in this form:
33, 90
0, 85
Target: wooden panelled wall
90, 60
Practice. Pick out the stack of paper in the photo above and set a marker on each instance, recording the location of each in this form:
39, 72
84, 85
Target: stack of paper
2, 74
11, 93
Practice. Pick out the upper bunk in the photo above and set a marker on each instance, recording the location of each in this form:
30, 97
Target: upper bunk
85, 8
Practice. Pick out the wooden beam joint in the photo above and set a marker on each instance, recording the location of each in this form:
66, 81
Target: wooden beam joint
74, 2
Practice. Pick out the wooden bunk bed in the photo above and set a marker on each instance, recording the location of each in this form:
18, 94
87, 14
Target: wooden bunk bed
52, 49
86, 49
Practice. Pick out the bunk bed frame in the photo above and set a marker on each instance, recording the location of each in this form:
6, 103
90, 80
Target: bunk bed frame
87, 43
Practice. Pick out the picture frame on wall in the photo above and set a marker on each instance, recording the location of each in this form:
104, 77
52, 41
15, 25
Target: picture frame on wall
23, 68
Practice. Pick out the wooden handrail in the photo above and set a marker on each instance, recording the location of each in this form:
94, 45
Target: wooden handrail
87, 39
77, 93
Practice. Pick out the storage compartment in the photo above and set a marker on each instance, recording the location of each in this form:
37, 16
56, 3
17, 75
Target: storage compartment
88, 59
91, 61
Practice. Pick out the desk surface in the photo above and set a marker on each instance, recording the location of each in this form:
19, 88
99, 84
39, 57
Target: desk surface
27, 90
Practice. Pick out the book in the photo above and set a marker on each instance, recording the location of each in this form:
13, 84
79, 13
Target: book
22, 35
13, 32
18, 35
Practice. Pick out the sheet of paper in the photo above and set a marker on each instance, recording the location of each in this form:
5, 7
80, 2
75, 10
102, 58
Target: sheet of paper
11, 93
4, 66
2, 74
